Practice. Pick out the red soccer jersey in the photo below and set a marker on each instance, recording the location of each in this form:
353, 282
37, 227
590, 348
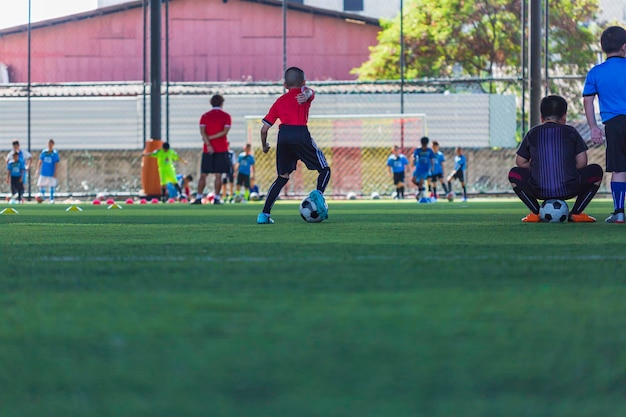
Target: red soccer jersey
214, 121
287, 109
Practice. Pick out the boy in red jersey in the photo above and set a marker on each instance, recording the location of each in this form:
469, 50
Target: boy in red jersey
214, 127
294, 142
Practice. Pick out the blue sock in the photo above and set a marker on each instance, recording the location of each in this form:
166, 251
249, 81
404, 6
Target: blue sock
42, 191
618, 190
51, 193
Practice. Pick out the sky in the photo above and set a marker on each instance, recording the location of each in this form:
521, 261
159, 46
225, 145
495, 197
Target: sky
15, 12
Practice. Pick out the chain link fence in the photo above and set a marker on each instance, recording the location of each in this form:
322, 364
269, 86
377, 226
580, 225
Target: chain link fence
99, 114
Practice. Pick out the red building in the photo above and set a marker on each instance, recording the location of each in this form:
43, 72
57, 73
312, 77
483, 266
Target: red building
209, 40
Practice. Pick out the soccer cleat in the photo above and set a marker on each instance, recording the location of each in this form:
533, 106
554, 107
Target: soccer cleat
531, 218
615, 218
318, 198
264, 218
581, 218
196, 201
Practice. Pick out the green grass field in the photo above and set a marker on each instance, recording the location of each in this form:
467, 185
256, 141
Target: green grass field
386, 309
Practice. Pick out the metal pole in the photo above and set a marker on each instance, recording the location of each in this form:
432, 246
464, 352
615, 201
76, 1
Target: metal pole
284, 36
167, 70
546, 47
155, 69
535, 61
28, 96
402, 63
524, 65
145, 65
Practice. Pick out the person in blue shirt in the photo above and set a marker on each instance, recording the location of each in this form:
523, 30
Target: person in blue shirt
460, 165
607, 81
397, 164
47, 169
437, 174
15, 174
423, 161
245, 171
25, 157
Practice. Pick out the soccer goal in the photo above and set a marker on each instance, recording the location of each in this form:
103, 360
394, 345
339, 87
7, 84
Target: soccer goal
356, 147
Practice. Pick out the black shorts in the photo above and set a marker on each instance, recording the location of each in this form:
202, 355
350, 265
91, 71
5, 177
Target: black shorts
215, 163
243, 179
459, 175
295, 144
437, 177
398, 177
615, 130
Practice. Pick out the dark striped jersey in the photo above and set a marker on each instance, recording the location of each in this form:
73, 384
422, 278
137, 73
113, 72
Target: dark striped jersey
552, 149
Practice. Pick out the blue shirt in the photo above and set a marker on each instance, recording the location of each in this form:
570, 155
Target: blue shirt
423, 159
245, 163
397, 163
607, 80
49, 160
459, 163
16, 168
439, 158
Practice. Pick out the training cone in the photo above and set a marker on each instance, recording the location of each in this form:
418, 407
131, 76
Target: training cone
9, 211
130, 201
96, 202
170, 201
114, 206
110, 201
73, 208
143, 201
154, 201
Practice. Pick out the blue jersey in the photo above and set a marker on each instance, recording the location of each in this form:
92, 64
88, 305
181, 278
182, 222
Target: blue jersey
245, 163
397, 163
16, 168
608, 82
423, 160
49, 161
460, 163
439, 159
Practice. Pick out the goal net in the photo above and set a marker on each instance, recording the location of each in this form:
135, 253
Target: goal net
356, 147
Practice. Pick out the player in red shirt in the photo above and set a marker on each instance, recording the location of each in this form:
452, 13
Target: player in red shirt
294, 142
214, 127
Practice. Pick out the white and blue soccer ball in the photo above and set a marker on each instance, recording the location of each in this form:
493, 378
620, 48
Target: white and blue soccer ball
309, 211
375, 195
553, 211
351, 195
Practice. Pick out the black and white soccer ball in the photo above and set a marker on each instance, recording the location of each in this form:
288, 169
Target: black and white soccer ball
309, 212
553, 211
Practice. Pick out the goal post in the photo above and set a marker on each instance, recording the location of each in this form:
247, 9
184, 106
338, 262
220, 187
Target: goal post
356, 147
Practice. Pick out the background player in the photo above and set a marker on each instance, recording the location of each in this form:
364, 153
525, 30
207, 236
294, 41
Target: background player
167, 170
437, 174
460, 165
397, 164
47, 168
294, 142
423, 161
15, 175
245, 171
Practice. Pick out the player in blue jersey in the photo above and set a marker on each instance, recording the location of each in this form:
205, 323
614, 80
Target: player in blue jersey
607, 81
437, 174
397, 164
423, 161
552, 164
460, 166
245, 171
47, 168
15, 174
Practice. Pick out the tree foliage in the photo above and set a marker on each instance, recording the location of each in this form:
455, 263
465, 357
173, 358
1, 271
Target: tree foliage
478, 38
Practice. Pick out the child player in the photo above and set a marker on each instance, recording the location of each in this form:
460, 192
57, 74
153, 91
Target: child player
396, 164
423, 161
245, 171
15, 175
167, 170
294, 142
460, 165
437, 174
47, 168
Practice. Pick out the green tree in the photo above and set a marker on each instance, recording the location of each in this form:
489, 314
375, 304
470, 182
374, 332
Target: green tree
477, 38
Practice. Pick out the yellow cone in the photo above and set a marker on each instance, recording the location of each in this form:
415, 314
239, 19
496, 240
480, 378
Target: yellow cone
9, 211
74, 208
114, 206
